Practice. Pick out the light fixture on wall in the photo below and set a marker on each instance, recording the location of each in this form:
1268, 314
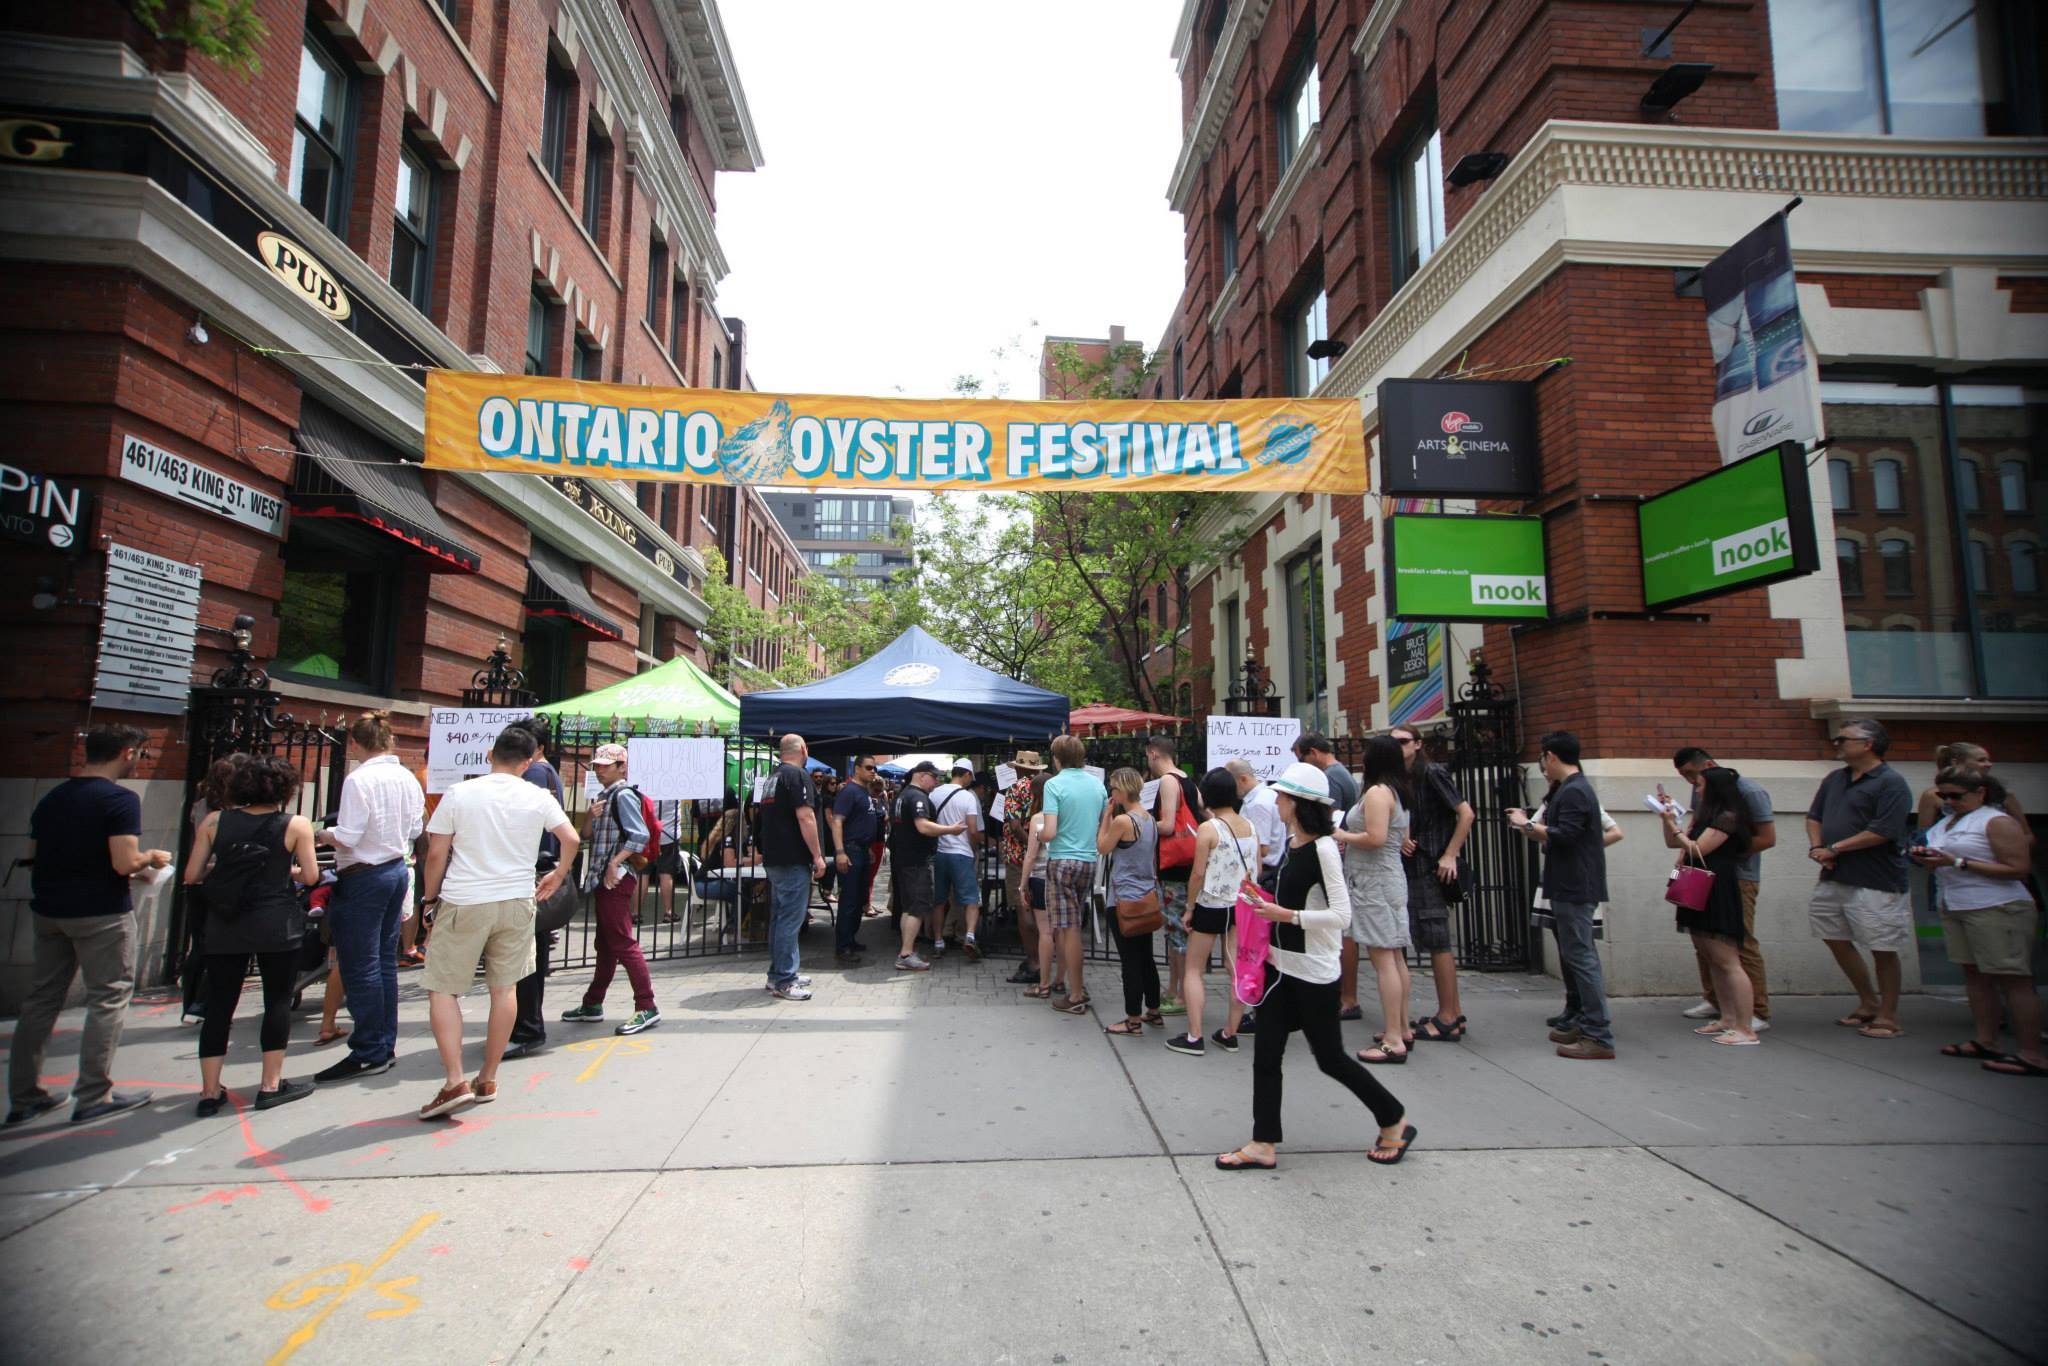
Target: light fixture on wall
1679, 80
1326, 348
197, 334
1476, 166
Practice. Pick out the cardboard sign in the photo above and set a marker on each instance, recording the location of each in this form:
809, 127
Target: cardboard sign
459, 741
677, 769
1264, 742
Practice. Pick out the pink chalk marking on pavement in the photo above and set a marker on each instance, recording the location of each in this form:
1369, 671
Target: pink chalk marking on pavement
219, 1197
533, 1082
579, 1263
441, 1251
270, 1160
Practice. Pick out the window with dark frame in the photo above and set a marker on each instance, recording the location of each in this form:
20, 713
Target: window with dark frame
657, 281
1226, 237
589, 360
717, 369
412, 239
1307, 323
322, 130
1417, 200
1841, 485
1897, 558
337, 613
1888, 485
538, 316
1909, 67
1300, 106
1849, 567
597, 177
1306, 640
1979, 556
678, 308
558, 110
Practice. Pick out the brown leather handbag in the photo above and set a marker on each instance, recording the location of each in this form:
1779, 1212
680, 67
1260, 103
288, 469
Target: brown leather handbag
1142, 916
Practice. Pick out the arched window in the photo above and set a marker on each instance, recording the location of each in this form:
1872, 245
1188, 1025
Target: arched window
1897, 558
1968, 475
1888, 485
1980, 567
1849, 565
2022, 563
1840, 488
2012, 485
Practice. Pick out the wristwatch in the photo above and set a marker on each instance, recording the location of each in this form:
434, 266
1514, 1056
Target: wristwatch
1962, 862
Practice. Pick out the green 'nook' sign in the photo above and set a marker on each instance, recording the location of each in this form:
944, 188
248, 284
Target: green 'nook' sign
1446, 567
1745, 524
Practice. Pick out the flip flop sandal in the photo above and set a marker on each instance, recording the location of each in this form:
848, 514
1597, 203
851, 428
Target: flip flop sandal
1970, 1048
1712, 1031
1406, 1039
1855, 1021
1882, 1032
1733, 1040
1071, 1006
325, 1038
1400, 1150
1386, 1057
1243, 1163
2014, 1067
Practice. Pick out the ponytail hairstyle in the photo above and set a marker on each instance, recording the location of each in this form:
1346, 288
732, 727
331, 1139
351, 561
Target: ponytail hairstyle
372, 731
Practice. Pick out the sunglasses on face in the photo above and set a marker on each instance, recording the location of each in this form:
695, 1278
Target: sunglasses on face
1848, 740
1953, 796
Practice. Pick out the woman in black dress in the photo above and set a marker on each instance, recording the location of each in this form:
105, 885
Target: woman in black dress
266, 920
1719, 837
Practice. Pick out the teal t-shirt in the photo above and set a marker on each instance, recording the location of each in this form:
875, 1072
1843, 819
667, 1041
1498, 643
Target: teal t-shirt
1076, 797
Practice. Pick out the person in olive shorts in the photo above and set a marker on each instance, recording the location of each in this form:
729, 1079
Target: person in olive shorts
913, 839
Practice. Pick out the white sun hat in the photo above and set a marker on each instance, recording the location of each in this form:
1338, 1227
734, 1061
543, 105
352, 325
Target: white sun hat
1305, 782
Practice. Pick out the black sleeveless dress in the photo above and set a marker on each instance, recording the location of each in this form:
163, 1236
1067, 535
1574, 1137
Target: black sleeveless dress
1722, 916
271, 919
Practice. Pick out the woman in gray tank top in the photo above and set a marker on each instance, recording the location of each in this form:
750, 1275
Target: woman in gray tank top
1129, 839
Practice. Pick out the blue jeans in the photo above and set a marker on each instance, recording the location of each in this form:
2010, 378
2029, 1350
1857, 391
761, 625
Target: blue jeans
363, 915
853, 889
1580, 958
953, 880
789, 889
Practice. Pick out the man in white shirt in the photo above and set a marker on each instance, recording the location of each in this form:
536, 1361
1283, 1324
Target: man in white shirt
479, 869
1256, 804
382, 808
954, 878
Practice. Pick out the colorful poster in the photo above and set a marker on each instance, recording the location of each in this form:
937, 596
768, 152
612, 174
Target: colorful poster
1765, 390
1417, 676
540, 425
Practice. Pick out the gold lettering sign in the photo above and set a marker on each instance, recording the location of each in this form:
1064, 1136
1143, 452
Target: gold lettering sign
300, 269
30, 140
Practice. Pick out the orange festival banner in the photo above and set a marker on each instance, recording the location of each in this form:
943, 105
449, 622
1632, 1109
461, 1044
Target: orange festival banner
524, 424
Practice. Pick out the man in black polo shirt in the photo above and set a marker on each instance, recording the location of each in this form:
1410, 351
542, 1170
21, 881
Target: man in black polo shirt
1575, 880
913, 839
85, 843
794, 859
1856, 831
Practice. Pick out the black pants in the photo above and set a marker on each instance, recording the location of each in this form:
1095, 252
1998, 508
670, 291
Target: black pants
222, 981
531, 1024
852, 900
1141, 970
1310, 1007
192, 972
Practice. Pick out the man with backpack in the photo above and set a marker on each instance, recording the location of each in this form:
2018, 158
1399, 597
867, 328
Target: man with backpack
625, 836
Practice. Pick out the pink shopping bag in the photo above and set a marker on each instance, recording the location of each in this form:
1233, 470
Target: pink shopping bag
1254, 936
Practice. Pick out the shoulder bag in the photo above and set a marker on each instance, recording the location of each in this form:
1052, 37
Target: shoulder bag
1690, 886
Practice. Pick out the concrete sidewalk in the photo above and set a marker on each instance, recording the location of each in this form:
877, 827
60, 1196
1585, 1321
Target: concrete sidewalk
931, 1169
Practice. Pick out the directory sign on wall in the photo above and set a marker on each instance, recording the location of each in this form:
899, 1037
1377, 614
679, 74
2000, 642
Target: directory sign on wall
1447, 567
1745, 524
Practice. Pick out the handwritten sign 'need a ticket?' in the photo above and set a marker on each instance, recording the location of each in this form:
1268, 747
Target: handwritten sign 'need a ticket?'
677, 769
459, 741
1264, 742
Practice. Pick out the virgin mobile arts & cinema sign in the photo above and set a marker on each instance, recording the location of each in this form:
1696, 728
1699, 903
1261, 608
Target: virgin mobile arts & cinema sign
533, 425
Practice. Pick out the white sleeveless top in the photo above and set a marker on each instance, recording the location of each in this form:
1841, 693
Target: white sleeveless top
1965, 837
1220, 880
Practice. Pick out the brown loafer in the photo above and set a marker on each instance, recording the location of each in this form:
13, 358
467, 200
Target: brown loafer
483, 1092
1565, 1036
1588, 1050
450, 1099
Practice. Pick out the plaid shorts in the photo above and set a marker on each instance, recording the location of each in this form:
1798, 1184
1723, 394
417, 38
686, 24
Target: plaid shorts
1173, 904
1069, 882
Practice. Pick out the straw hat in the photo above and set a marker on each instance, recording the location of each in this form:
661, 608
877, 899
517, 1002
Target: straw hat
1028, 758
1304, 782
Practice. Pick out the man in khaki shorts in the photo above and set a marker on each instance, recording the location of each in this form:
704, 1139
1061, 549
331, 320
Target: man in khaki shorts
1856, 831
482, 843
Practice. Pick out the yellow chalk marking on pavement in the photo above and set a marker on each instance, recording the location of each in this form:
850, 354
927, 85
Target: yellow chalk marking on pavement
604, 1048
338, 1283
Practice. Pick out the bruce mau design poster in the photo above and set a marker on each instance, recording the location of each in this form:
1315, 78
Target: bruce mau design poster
1764, 380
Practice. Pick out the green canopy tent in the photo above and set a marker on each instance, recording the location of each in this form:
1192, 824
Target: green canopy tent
677, 698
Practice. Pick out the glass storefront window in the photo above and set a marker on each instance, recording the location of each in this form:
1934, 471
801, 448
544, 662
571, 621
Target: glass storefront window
1958, 610
337, 614
1306, 642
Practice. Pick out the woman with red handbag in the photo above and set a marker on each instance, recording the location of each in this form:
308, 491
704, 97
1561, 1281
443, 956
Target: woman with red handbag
1715, 842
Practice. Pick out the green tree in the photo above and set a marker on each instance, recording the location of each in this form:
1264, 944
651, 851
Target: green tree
228, 31
991, 593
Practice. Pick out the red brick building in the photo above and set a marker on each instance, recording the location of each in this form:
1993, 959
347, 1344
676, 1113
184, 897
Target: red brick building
224, 287
1320, 185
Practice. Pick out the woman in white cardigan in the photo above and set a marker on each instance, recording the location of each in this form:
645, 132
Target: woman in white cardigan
1307, 925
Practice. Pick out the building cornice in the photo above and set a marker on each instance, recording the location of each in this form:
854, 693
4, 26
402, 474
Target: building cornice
1305, 160
1183, 49
710, 78
1212, 106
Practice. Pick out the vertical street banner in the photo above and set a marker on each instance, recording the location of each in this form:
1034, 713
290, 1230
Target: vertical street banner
1765, 385
1416, 677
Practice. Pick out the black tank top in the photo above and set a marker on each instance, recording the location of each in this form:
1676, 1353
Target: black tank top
273, 918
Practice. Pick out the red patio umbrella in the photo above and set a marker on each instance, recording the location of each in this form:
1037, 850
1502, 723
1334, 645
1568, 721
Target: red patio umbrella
1098, 718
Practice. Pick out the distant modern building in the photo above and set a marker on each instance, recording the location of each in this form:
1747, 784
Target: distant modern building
847, 537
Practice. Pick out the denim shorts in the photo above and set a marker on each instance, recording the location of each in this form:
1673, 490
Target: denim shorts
953, 880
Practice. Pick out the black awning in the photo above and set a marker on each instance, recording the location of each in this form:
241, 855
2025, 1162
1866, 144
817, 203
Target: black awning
344, 471
555, 589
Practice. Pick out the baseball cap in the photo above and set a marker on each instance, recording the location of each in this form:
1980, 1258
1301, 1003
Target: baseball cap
1305, 782
927, 766
609, 754
962, 766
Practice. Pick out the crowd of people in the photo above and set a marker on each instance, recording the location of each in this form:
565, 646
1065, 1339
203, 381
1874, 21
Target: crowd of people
1333, 872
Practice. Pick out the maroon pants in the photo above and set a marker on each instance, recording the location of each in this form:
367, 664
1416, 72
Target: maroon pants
617, 944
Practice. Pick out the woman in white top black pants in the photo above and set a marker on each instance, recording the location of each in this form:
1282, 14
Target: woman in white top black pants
1308, 924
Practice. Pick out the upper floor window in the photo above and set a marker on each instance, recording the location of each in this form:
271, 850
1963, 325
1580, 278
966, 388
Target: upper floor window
1301, 104
2025, 569
412, 237
1920, 68
1887, 485
1841, 489
1179, 374
1849, 567
1226, 236
320, 135
558, 105
1418, 201
679, 122
536, 335
597, 176
1968, 475
657, 280
1309, 324
1897, 558
1980, 567
678, 307
718, 369
2012, 485
589, 361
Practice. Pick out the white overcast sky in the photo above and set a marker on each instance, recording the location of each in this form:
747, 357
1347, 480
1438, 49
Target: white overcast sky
941, 175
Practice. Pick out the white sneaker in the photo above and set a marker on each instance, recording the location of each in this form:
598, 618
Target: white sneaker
1758, 1026
938, 947
1705, 1010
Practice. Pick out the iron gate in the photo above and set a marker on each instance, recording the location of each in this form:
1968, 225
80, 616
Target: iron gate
1493, 931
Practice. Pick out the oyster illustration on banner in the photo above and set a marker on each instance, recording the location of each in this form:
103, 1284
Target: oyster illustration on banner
1287, 438
760, 451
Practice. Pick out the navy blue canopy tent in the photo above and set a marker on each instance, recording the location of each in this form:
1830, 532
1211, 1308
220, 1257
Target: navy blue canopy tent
914, 694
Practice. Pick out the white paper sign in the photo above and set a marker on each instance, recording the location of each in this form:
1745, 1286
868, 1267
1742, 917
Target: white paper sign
1005, 775
1264, 742
1093, 772
1148, 794
459, 741
996, 807
761, 786
677, 769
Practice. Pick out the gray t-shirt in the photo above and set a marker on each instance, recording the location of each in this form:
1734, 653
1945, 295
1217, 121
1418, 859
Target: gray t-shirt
1758, 803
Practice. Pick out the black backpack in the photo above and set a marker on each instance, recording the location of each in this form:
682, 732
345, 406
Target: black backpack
239, 869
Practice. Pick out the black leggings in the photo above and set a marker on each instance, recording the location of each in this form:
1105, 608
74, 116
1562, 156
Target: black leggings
223, 987
1310, 1007
1141, 970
